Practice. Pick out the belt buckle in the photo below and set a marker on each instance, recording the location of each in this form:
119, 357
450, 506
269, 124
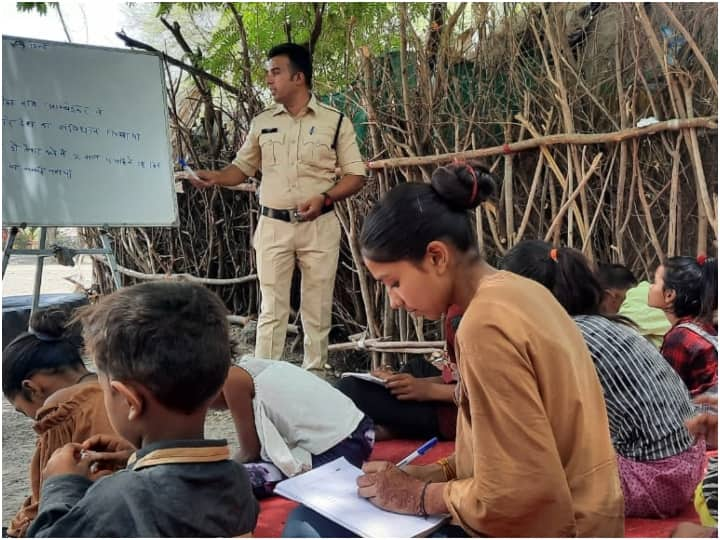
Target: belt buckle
294, 217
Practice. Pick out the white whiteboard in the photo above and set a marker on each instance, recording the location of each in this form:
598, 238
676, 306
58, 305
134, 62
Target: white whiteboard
84, 136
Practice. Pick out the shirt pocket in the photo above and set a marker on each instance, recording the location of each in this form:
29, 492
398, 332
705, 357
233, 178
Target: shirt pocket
316, 148
271, 149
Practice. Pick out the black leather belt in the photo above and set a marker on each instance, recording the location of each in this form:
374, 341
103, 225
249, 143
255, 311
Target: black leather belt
290, 216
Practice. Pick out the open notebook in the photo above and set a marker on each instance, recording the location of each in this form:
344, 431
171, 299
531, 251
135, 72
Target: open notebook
365, 377
331, 491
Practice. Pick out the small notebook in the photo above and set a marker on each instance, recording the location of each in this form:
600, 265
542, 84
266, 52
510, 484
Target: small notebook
365, 377
331, 491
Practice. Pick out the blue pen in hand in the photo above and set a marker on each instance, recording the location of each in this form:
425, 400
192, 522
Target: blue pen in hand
417, 453
188, 170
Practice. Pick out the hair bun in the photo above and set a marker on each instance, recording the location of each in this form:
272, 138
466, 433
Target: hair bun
50, 323
463, 186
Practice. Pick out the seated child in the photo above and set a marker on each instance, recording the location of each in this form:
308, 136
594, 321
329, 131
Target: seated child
647, 403
615, 280
45, 379
289, 420
686, 289
650, 322
418, 402
162, 353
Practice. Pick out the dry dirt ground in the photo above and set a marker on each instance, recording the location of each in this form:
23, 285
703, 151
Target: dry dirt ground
18, 438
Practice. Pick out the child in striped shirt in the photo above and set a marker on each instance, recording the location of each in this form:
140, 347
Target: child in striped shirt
647, 403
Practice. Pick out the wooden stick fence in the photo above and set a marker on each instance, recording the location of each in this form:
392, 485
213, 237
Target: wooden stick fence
709, 122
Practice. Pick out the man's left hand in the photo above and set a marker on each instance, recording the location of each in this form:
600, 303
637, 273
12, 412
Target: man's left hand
389, 488
311, 208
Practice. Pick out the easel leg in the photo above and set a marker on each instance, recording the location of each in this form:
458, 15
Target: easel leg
38, 273
111, 259
8, 249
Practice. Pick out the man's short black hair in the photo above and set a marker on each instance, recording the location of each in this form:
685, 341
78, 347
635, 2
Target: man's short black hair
299, 56
615, 276
170, 336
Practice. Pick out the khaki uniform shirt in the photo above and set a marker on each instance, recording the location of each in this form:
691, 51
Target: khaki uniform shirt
295, 154
533, 453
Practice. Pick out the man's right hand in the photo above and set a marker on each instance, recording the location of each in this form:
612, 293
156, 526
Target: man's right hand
227, 177
203, 178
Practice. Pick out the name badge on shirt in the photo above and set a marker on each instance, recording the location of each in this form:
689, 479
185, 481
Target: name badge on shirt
268, 130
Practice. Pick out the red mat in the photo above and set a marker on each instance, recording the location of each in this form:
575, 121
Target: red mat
274, 510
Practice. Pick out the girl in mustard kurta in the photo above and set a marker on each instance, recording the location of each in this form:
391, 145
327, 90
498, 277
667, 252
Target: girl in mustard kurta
45, 378
533, 451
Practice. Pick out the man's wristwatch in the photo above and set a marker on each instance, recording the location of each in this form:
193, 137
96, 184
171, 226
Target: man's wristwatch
327, 200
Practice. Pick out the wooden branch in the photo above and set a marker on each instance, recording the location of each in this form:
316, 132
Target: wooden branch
130, 42
531, 196
693, 45
706, 122
412, 136
561, 213
182, 277
650, 34
650, 227
508, 192
174, 29
599, 207
413, 347
319, 8
672, 237
247, 66
696, 160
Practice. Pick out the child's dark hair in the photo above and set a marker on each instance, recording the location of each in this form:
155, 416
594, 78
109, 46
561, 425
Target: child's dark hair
695, 286
410, 216
615, 276
299, 56
171, 337
564, 271
49, 347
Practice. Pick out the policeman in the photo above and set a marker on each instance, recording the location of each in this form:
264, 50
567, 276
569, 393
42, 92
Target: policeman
297, 144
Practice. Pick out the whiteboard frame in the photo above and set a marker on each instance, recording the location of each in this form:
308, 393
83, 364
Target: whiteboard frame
171, 180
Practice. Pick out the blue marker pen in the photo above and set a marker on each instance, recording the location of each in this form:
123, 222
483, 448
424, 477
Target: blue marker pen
188, 170
417, 453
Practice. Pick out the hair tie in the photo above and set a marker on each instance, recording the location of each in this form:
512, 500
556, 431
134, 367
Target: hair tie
475, 184
701, 259
554, 254
43, 336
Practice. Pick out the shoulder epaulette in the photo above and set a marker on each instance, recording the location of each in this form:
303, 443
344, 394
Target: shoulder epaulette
328, 107
271, 108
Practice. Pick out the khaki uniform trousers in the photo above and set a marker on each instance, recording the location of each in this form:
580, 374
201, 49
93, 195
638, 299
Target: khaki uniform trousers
315, 246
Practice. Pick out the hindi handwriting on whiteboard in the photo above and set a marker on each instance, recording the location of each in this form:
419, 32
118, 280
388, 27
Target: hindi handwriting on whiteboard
72, 124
